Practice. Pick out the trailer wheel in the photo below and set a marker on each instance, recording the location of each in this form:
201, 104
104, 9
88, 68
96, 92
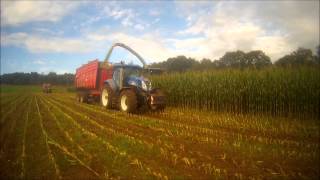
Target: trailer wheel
128, 101
106, 97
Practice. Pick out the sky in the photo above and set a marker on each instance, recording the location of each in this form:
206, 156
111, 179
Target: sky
60, 36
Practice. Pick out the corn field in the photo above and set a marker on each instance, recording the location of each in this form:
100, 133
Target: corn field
52, 136
276, 91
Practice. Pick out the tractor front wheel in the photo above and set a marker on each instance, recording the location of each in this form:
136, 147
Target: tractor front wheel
128, 101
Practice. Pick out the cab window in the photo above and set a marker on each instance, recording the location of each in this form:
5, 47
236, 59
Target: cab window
116, 77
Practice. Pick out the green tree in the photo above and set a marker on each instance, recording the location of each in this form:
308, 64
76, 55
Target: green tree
180, 64
257, 59
233, 59
301, 56
239, 59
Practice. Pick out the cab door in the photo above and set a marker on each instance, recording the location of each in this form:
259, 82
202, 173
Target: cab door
118, 78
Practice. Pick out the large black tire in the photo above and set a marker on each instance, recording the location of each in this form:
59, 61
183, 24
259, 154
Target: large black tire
106, 97
128, 101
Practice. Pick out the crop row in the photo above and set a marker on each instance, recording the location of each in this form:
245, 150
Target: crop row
173, 131
53, 136
96, 135
11, 134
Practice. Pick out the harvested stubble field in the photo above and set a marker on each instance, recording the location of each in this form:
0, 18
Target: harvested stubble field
51, 136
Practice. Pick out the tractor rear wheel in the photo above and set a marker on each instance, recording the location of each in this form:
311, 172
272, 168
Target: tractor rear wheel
128, 101
106, 97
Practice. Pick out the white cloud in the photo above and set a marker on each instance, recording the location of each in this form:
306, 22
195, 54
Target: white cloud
210, 32
47, 31
139, 27
127, 22
20, 12
148, 46
155, 21
274, 46
116, 11
39, 61
43, 62
125, 15
154, 12
277, 28
39, 44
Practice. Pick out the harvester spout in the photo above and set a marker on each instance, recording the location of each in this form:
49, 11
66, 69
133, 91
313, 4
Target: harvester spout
125, 47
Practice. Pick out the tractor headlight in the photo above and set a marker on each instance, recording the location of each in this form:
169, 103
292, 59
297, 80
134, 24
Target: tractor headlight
144, 86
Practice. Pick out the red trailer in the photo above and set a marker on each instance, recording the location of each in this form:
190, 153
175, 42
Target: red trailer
89, 79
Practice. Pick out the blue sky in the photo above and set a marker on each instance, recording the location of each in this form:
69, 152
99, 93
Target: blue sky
59, 36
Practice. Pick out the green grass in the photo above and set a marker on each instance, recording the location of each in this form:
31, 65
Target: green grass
33, 88
19, 89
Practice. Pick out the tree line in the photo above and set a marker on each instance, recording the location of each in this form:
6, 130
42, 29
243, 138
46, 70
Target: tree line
237, 59
20, 78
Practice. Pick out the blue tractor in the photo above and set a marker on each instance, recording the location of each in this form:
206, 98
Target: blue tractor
128, 89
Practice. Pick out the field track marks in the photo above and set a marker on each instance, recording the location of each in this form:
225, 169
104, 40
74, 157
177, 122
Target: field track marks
67, 139
23, 152
65, 150
159, 122
245, 125
235, 125
8, 122
67, 136
5, 101
167, 153
57, 171
175, 128
120, 154
38, 164
11, 145
10, 108
198, 134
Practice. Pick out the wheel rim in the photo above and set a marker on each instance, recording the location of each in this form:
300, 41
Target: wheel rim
104, 97
123, 103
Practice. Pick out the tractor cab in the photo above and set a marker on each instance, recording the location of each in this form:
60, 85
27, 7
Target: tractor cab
130, 76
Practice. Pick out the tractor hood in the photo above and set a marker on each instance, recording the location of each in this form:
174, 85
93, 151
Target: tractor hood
140, 82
